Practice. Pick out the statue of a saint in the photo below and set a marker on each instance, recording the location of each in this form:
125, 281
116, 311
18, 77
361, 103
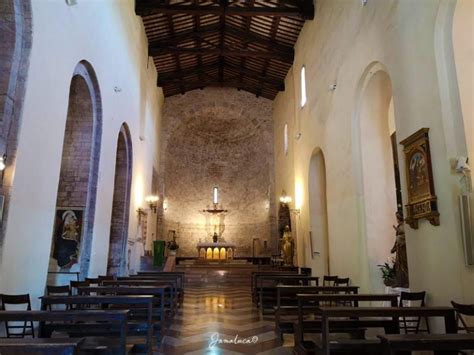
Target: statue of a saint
287, 247
401, 261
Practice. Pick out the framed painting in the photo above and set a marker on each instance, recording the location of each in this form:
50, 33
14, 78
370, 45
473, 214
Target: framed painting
422, 200
67, 236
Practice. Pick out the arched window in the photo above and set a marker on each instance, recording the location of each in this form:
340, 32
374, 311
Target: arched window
303, 86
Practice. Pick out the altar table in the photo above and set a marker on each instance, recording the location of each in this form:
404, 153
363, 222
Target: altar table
216, 251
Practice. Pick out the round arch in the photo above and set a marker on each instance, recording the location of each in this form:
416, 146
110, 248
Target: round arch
117, 257
77, 187
374, 171
317, 255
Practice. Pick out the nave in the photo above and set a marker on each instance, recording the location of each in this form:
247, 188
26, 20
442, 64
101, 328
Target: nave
220, 310
240, 309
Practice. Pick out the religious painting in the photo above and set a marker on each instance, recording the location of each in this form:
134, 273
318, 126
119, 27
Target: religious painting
67, 236
422, 200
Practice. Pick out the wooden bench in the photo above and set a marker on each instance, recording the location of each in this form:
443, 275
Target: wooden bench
40, 346
356, 314
256, 274
268, 295
441, 344
179, 277
304, 304
136, 316
171, 295
89, 322
161, 310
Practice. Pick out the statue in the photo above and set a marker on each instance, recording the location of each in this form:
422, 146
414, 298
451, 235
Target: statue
464, 170
287, 247
401, 261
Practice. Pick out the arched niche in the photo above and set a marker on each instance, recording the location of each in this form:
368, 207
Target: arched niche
374, 163
317, 255
16, 39
77, 187
117, 259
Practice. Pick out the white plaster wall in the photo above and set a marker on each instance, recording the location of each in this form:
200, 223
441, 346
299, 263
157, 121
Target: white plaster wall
337, 47
463, 44
108, 35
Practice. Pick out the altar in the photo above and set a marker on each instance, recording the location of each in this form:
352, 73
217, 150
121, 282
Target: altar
220, 251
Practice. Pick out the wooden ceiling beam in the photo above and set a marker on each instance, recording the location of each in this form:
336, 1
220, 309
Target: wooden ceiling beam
233, 31
178, 77
225, 84
223, 52
304, 10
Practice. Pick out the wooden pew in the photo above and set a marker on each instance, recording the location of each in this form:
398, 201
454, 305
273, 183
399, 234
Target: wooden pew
90, 321
40, 346
171, 294
334, 314
256, 274
305, 304
439, 343
268, 295
161, 310
179, 277
135, 319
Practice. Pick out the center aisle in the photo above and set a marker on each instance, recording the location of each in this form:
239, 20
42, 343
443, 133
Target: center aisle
218, 317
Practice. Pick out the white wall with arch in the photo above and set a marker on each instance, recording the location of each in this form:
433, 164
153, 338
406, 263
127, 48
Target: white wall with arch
393, 33
127, 81
317, 255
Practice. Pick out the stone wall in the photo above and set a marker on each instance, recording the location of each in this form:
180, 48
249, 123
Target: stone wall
219, 137
15, 46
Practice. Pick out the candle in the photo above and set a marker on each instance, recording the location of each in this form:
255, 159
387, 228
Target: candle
216, 195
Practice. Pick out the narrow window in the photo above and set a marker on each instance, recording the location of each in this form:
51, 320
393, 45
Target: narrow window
303, 86
285, 139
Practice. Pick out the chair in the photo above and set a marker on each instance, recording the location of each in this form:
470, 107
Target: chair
101, 278
93, 281
52, 290
17, 300
329, 280
58, 290
76, 284
342, 281
306, 271
412, 325
463, 311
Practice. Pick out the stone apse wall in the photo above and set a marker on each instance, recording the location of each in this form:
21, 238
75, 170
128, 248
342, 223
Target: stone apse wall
218, 137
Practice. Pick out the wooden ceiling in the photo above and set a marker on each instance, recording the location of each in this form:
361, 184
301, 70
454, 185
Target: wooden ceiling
246, 44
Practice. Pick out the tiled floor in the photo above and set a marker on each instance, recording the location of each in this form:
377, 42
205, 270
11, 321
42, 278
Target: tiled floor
218, 317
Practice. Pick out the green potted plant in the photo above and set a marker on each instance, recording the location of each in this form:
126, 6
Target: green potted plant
388, 274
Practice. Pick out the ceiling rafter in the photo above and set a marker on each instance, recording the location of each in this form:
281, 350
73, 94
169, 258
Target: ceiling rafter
303, 9
245, 44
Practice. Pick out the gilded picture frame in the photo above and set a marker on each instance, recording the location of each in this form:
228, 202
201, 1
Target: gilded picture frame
422, 200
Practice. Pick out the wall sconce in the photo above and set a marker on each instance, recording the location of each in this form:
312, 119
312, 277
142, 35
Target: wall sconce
3, 162
152, 202
285, 199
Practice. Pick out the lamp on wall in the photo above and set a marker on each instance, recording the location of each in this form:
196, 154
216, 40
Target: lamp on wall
284, 198
3, 162
152, 202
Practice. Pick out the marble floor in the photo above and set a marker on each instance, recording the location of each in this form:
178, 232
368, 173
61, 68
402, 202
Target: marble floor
218, 317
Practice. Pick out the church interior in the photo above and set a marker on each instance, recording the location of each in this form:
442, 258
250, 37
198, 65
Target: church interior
236, 177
